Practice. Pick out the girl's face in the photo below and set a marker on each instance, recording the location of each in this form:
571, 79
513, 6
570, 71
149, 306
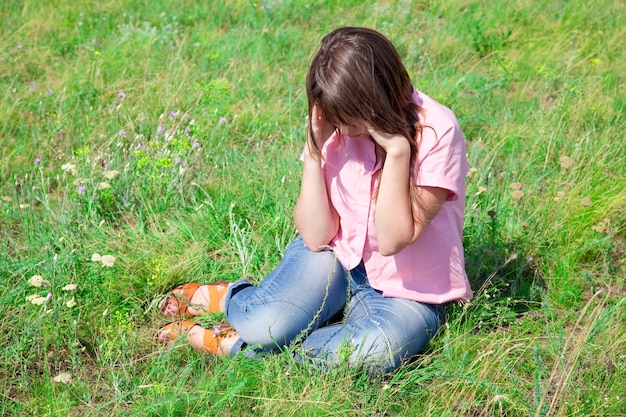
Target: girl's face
357, 130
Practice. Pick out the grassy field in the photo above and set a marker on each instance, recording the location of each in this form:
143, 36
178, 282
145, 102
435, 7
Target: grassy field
148, 143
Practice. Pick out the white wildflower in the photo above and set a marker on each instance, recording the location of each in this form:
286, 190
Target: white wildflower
69, 168
107, 260
71, 303
587, 202
69, 287
63, 378
103, 185
566, 162
38, 281
96, 257
109, 175
37, 299
517, 194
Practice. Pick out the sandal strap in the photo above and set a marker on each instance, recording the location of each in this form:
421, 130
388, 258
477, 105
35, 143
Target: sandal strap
213, 337
177, 328
186, 291
217, 290
183, 294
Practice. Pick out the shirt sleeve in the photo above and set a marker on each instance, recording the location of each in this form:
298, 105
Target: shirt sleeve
441, 159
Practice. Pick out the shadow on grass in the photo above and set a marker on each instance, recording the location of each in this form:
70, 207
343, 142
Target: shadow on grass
501, 274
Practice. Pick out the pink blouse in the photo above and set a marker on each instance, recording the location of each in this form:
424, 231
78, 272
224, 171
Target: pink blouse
430, 270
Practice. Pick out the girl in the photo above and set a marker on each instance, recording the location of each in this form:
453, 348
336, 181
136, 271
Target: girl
379, 217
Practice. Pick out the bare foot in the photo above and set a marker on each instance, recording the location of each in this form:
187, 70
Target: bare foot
199, 304
196, 339
218, 341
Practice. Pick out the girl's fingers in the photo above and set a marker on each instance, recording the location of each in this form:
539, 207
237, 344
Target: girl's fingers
388, 141
321, 128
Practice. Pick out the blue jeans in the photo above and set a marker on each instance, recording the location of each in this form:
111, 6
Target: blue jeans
296, 301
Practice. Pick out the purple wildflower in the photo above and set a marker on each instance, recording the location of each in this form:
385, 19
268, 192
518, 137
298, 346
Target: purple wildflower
20, 46
37, 161
122, 132
222, 120
161, 129
179, 161
81, 189
121, 94
139, 146
49, 90
195, 145
173, 113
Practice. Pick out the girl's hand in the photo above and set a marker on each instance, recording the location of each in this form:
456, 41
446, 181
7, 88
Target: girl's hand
393, 144
322, 130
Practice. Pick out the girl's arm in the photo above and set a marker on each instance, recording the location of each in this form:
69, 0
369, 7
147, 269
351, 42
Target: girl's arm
315, 218
398, 222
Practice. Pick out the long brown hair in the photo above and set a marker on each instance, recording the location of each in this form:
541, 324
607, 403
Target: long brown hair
357, 75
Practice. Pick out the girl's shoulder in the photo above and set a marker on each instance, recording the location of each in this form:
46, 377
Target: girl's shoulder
433, 112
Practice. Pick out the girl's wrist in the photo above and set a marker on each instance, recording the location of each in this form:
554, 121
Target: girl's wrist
310, 160
399, 150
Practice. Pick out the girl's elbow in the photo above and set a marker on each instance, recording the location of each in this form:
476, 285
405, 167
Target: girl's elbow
315, 245
317, 239
387, 252
390, 248
393, 245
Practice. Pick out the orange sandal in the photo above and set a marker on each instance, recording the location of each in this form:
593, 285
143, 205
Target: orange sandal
181, 296
212, 336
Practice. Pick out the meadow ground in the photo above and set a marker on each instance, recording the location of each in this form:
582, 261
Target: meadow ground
144, 144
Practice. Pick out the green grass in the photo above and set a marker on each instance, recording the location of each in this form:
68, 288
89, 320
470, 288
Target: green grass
206, 192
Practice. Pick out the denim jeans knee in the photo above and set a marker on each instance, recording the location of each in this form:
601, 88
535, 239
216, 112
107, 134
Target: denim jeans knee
304, 291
